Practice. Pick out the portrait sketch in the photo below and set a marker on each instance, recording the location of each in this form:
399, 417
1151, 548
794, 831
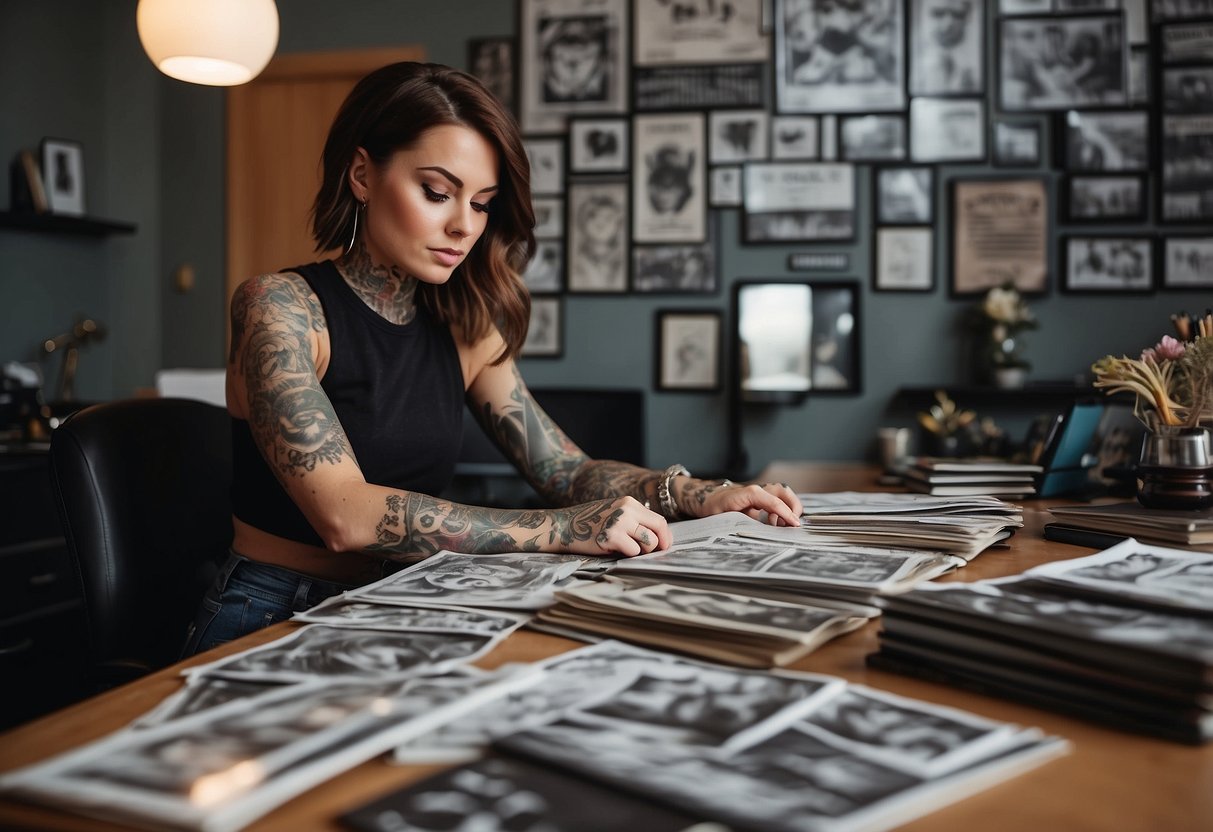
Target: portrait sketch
947, 39
598, 237
688, 350
669, 179
674, 269
493, 61
598, 145
1108, 264
736, 136
904, 259
794, 138
544, 336
905, 195
1052, 63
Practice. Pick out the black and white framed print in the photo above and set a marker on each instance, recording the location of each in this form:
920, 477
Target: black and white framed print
1188, 90
495, 62
1186, 191
905, 259
829, 138
1182, 43
688, 349
1107, 264
1059, 62
598, 237
549, 217
1000, 233
947, 40
573, 57
699, 33
798, 202
1180, 9
675, 269
545, 335
839, 57
1015, 144
736, 136
545, 272
724, 186
598, 144
905, 195
1025, 6
1106, 140
1187, 262
947, 130
874, 138
547, 165
669, 88
1139, 75
669, 178
63, 176
795, 138
1104, 198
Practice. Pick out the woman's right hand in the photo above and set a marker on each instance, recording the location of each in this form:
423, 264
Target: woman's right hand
615, 526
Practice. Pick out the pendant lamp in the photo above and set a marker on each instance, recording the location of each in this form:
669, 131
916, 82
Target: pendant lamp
216, 42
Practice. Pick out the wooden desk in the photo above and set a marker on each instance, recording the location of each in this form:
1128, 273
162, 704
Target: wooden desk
1110, 781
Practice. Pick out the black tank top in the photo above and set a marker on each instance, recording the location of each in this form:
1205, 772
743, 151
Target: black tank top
398, 392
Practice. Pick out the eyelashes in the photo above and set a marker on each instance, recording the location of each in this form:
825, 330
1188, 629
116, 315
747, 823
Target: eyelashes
436, 196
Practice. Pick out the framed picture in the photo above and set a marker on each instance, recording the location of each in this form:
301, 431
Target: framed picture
1105, 198
878, 138
494, 62
1139, 75
547, 165
598, 145
1025, 6
905, 195
699, 33
598, 237
905, 259
549, 217
1180, 9
545, 336
688, 350
1187, 89
1137, 21
668, 88
947, 130
1084, 5
669, 179
545, 272
63, 176
675, 269
1107, 264
1015, 144
1000, 234
794, 138
724, 186
1186, 191
1187, 262
1060, 62
798, 202
736, 136
829, 138
573, 59
1106, 141
839, 58
947, 42
1182, 43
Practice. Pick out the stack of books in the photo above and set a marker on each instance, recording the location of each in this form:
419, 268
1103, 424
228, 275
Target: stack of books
1123, 637
1090, 525
967, 477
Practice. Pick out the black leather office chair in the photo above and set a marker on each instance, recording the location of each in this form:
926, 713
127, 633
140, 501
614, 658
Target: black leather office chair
142, 487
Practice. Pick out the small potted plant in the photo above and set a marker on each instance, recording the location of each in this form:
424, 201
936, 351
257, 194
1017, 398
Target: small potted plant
948, 430
997, 322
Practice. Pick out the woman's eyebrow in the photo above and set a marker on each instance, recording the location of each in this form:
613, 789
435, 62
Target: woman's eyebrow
455, 180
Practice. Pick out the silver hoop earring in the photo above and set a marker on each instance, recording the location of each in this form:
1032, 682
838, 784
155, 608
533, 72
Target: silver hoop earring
354, 236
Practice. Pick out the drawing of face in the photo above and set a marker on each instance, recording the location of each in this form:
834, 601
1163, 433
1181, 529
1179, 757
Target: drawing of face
601, 219
946, 21
574, 59
669, 182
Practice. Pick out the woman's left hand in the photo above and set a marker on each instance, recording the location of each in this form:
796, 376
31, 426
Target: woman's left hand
776, 501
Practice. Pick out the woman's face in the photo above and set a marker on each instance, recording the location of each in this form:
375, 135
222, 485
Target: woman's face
428, 205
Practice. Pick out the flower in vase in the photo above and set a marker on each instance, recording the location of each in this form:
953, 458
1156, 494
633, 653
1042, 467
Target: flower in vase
997, 320
1172, 381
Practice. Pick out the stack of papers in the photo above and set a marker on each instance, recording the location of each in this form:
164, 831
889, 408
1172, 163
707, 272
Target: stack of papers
965, 477
1188, 528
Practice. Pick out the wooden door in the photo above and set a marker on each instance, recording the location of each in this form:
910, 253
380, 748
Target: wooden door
276, 127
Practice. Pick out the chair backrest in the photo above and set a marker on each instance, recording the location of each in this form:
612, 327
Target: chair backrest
143, 490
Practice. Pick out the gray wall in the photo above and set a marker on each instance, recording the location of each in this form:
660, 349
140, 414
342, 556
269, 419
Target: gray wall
154, 157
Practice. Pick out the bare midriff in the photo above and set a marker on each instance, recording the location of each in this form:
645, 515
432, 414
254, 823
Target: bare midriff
316, 561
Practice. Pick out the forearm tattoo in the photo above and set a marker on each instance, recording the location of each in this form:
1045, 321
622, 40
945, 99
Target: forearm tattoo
693, 494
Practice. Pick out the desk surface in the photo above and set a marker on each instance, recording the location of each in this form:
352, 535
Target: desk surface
1111, 780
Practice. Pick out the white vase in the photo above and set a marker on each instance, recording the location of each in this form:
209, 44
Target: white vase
1010, 378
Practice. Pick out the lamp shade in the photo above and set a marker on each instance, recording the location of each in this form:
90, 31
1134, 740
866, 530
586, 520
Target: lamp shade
215, 42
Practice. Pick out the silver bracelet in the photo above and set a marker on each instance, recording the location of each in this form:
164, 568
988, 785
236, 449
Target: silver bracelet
665, 498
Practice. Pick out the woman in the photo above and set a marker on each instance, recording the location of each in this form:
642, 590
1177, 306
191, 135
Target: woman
347, 378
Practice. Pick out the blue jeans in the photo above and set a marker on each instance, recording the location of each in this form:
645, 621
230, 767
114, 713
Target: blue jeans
248, 595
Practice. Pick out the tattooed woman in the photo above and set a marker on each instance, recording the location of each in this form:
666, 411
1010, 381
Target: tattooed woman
347, 378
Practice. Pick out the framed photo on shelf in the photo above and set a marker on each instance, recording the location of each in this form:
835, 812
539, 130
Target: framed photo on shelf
947, 130
1038, 60
876, 138
724, 186
1104, 198
1015, 144
598, 237
598, 144
573, 60
905, 195
1187, 262
688, 350
675, 269
547, 165
495, 62
1111, 265
1106, 141
1182, 43
668, 33
63, 176
1186, 189
817, 66
549, 217
1187, 89
798, 202
905, 259
736, 136
795, 138
669, 178
545, 273
1000, 234
947, 42
545, 336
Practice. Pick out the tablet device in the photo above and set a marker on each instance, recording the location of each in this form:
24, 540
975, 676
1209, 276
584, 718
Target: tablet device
1068, 456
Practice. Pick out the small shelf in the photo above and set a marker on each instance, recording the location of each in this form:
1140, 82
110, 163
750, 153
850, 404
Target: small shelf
1032, 395
59, 224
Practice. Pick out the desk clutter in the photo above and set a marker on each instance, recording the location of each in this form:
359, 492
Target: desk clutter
972, 476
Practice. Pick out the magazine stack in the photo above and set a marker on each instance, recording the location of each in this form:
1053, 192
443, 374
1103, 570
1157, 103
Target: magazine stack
970, 477
1123, 637
1152, 525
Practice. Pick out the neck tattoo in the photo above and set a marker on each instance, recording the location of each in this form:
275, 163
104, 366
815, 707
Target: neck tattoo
385, 289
